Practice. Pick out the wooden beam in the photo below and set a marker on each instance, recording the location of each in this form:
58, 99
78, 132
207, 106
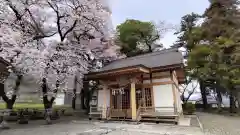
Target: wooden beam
163, 83
174, 98
133, 100
167, 68
156, 77
119, 71
158, 83
152, 95
104, 111
144, 70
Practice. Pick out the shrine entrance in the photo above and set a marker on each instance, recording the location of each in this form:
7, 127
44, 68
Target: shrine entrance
144, 97
121, 100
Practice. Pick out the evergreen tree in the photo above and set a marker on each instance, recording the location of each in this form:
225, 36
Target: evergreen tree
189, 36
213, 48
217, 54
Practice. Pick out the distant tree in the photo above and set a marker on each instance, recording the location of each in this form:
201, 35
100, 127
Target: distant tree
186, 89
221, 33
137, 37
189, 36
212, 49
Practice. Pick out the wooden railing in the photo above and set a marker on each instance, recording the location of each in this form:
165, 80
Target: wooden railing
95, 111
138, 117
157, 110
109, 113
122, 113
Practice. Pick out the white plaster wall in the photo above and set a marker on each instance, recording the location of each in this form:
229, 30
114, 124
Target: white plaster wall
101, 97
163, 97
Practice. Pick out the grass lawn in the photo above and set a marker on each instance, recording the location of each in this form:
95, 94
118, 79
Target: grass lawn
33, 106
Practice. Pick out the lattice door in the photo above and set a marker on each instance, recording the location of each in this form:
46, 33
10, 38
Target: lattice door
148, 97
121, 101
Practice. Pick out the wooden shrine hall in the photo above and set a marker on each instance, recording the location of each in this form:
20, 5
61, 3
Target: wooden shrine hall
144, 87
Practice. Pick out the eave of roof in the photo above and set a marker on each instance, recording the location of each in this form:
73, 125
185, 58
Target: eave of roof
125, 70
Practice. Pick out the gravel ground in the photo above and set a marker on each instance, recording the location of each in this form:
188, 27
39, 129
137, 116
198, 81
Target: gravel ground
84, 127
214, 124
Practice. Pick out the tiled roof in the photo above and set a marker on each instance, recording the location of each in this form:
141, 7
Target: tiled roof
161, 58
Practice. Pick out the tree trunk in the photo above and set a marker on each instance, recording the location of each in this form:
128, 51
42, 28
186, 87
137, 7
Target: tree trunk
87, 103
48, 110
183, 98
150, 48
232, 103
84, 93
74, 101
48, 103
2, 92
82, 99
203, 93
219, 100
219, 96
9, 101
238, 99
74, 93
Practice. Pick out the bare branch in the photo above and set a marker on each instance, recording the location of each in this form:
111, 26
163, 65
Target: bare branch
58, 19
37, 28
92, 20
16, 12
44, 36
70, 29
190, 94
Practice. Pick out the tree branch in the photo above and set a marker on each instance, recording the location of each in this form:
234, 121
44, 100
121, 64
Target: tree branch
43, 36
58, 20
69, 30
16, 12
189, 95
92, 20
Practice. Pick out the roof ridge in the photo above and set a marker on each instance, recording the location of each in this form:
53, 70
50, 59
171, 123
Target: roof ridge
149, 54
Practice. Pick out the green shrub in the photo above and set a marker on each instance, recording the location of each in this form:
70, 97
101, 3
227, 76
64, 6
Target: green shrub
189, 108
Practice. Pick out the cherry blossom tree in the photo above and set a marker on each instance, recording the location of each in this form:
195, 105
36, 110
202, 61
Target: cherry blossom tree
77, 23
51, 39
18, 42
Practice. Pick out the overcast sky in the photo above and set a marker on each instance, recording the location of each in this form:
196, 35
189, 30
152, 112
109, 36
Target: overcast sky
170, 11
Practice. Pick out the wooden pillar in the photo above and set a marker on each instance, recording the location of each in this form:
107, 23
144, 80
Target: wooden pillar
174, 91
104, 107
133, 100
